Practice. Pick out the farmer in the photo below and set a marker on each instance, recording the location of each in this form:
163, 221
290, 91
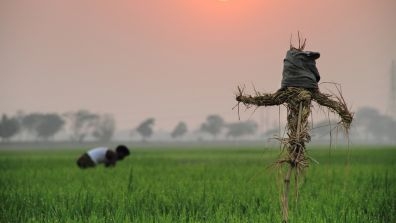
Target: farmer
103, 155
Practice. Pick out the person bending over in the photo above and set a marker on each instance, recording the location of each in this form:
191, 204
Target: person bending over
103, 155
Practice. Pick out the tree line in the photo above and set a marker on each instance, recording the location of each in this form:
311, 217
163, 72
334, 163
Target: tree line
82, 124
44, 126
369, 125
214, 125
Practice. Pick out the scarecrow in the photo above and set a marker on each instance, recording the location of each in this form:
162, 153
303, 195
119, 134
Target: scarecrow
299, 88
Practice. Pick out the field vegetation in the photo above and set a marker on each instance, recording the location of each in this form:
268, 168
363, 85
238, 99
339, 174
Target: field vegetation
197, 185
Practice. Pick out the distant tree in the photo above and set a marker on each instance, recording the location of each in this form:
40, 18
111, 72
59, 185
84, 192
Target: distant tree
19, 117
43, 126
365, 116
179, 130
375, 125
271, 133
30, 123
145, 129
325, 128
239, 129
49, 125
382, 128
104, 128
8, 127
213, 125
82, 123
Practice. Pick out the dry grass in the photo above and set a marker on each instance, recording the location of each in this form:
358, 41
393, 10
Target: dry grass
298, 102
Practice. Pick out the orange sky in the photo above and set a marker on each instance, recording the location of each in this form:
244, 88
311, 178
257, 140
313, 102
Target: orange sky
182, 59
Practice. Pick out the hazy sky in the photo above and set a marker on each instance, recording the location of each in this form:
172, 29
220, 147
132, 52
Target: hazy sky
182, 59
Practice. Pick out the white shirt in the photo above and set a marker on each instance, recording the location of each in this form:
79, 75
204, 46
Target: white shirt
98, 155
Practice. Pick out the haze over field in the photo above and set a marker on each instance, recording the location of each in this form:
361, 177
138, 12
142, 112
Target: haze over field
182, 59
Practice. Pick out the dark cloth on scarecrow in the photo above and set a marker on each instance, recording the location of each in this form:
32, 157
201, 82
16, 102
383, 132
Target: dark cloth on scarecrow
299, 69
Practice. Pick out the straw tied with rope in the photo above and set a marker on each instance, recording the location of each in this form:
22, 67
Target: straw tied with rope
298, 89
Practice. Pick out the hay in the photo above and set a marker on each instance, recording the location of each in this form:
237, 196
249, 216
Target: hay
298, 102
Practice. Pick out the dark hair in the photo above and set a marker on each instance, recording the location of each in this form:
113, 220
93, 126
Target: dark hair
121, 149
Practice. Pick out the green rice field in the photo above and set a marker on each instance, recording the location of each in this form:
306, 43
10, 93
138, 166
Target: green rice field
197, 185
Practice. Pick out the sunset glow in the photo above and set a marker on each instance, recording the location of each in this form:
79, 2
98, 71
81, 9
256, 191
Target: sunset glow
231, 11
157, 50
